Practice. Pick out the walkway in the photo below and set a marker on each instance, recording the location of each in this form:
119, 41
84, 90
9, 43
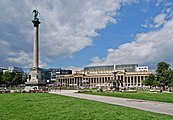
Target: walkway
158, 107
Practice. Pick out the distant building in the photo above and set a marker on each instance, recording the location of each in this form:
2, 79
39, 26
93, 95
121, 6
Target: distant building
58, 71
48, 75
2, 69
15, 69
142, 68
12, 69
131, 75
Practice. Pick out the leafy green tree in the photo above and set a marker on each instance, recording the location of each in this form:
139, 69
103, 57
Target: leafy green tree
11, 78
165, 77
161, 67
7, 78
17, 79
1, 81
164, 74
156, 83
171, 84
170, 78
149, 80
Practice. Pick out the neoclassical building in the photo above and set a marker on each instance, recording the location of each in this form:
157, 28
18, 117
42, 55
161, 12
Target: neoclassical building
129, 75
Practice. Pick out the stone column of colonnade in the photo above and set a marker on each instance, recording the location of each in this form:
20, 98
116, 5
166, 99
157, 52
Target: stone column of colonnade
132, 78
137, 81
74, 81
130, 81
123, 80
66, 81
140, 80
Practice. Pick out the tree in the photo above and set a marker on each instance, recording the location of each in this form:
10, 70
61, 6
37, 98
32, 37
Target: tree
170, 79
161, 67
171, 84
1, 81
17, 79
163, 74
7, 78
156, 83
149, 80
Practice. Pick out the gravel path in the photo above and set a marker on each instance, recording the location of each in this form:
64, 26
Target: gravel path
158, 107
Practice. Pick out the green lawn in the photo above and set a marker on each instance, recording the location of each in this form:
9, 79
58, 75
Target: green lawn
143, 95
44, 106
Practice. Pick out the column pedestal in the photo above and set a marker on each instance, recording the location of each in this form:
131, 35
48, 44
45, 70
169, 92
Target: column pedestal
35, 82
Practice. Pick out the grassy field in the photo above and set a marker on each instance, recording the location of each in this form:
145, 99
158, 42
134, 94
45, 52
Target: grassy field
143, 95
44, 106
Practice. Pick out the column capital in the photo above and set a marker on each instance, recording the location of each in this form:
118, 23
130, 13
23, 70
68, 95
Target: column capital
36, 23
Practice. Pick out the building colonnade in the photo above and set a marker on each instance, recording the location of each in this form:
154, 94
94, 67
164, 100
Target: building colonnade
129, 79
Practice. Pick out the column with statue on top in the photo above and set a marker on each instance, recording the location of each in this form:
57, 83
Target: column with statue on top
35, 81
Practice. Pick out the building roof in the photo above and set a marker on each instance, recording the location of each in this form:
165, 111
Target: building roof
95, 68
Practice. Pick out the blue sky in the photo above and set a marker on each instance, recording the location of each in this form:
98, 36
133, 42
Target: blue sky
74, 34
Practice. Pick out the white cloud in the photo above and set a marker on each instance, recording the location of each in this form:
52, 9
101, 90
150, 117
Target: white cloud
75, 25
67, 26
155, 22
20, 58
96, 60
147, 49
159, 20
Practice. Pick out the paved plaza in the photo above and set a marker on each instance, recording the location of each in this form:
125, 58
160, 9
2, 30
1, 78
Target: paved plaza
158, 107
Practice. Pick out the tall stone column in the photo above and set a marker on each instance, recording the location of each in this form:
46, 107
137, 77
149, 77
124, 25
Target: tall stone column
36, 44
35, 82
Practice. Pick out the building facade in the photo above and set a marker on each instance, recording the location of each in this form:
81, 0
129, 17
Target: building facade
105, 75
54, 72
12, 69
